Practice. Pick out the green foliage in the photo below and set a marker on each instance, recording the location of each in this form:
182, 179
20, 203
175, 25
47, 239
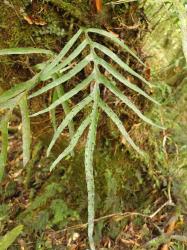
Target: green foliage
57, 71
23, 51
4, 211
38, 222
52, 29
41, 200
10, 237
47, 210
178, 246
4, 135
60, 212
26, 130
71, 7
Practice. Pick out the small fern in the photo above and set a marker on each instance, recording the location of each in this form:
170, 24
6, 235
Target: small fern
57, 71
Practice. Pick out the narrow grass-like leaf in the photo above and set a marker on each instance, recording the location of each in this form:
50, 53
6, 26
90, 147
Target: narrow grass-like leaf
73, 142
123, 65
24, 51
52, 112
19, 88
66, 96
112, 115
4, 142
63, 52
66, 61
125, 100
11, 103
7, 240
115, 40
26, 130
89, 151
61, 71
63, 78
67, 119
67, 110
119, 77
41, 66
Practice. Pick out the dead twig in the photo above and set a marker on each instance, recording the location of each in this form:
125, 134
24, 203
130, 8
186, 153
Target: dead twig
119, 216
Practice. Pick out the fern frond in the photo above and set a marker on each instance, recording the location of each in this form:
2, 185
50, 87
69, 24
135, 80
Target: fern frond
24, 51
4, 142
80, 66
8, 105
67, 110
115, 40
119, 125
116, 59
26, 130
89, 151
63, 52
67, 96
122, 79
52, 112
19, 88
61, 68
11, 103
68, 118
66, 61
73, 142
125, 100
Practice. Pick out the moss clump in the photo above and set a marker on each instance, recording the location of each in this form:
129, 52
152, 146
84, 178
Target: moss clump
17, 32
76, 8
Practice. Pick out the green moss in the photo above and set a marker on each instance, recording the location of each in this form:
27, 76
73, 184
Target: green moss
76, 8
17, 32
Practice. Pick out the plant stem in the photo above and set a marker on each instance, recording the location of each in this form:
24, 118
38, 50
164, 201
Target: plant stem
89, 151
